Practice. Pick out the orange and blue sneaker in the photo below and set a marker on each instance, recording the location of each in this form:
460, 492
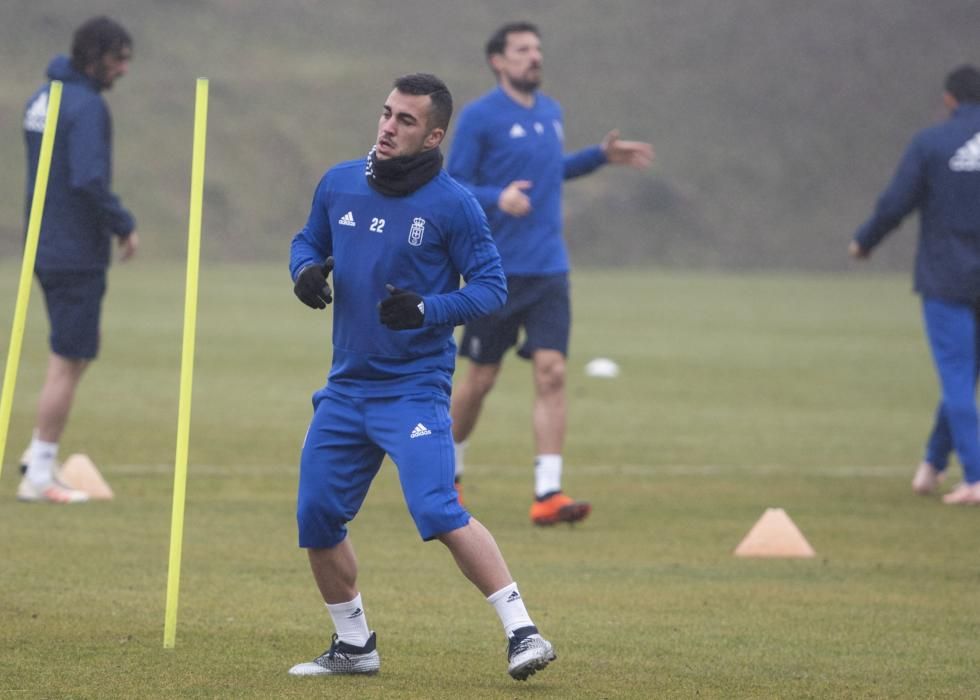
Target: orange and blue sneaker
556, 507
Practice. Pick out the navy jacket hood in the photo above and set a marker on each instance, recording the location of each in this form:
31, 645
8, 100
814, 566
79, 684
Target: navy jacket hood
61, 68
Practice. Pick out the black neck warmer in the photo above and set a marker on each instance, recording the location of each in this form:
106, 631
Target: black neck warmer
397, 177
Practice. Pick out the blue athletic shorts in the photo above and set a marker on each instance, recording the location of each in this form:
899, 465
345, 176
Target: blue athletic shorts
346, 441
540, 305
74, 302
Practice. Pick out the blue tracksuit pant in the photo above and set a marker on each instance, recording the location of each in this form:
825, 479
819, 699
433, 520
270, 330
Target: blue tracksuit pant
954, 338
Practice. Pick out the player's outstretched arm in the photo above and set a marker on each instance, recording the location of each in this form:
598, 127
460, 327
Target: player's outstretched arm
636, 154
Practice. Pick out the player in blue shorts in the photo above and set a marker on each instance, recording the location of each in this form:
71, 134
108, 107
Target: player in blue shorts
82, 216
396, 232
509, 151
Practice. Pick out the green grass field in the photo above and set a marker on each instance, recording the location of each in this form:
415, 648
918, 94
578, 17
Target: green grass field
737, 393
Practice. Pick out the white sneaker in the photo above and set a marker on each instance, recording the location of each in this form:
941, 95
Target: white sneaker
527, 653
55, 492
342, 659
964, 494
927, 478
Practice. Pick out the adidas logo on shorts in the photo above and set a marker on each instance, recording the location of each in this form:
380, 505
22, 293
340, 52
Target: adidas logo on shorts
420, 431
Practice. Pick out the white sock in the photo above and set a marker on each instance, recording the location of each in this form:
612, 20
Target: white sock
459, 448
510, 608
25, 458
547, 474
350, 621
40, 465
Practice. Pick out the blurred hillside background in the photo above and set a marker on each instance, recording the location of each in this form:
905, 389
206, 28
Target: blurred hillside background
775, 122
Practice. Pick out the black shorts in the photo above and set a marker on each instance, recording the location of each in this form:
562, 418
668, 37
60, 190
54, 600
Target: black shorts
74, 302
540, 305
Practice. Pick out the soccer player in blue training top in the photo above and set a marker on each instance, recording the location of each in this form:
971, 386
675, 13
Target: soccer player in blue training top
397, 232
508, 150
81, 218
940, 176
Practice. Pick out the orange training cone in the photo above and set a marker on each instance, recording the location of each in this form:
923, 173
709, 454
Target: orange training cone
774, 535
80, 473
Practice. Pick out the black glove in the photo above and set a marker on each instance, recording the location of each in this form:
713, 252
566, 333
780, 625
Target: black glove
403, 310
311, 285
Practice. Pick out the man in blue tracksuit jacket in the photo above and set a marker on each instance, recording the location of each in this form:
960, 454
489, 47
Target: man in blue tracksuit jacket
509, 151
397, 232
81, 216
940, 176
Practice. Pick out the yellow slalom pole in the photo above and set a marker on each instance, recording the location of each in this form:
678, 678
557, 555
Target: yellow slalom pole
27, 267
187, 361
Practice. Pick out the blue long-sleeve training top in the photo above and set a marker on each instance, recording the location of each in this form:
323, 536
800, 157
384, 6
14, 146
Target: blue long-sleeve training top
421, 242
498, 141
939, 175
81, 213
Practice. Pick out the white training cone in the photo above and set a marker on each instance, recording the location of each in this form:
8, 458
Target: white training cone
80, 473
774, 535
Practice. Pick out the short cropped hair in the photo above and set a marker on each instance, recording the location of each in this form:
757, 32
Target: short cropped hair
498, 41
963, 84
428, 84
96, 38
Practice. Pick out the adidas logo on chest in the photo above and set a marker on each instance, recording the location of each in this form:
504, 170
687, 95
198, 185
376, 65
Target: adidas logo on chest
37, 114
967, 157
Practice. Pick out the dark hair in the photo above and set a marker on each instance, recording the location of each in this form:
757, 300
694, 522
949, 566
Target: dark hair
498, 41
963, 83
96, 38
428, 84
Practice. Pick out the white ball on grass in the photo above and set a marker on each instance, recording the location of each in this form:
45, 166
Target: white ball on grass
602, 367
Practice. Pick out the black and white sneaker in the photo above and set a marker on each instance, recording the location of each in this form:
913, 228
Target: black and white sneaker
342, 659
527, 653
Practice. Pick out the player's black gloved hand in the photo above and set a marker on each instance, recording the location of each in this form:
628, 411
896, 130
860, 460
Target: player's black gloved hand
311, 285
402, 310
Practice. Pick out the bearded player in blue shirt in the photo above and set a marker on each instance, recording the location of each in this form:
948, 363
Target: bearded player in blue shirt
397, 232
508, 150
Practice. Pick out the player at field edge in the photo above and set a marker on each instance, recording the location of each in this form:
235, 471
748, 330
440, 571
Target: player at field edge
81, 217
508, 149
939, 175
397, 233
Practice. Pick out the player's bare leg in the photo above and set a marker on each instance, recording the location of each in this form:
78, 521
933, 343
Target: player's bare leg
479, 558
54, 405
353, 649
550, 418
468, 396
467, 403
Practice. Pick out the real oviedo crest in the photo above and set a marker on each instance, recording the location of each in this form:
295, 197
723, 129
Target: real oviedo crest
416, 232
